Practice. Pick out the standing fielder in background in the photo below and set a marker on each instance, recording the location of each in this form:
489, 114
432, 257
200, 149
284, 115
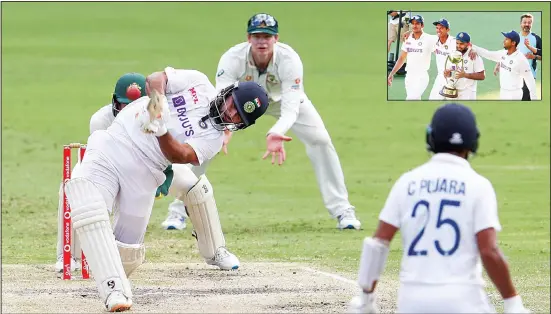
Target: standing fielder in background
128, 88
514, 68
416, 51
530, 45
447, 216
471, 71
181, 122
278, 68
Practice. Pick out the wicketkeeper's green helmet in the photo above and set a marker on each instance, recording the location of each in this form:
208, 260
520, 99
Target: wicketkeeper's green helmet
120, 95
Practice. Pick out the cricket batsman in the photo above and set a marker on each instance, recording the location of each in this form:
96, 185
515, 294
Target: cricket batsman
514, 70
447, 216
278, 68
416, 51
181, 122
128, 88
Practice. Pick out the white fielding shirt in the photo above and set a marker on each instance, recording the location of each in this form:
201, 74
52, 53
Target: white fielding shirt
419, 52
439, 208
283, 79
514, 68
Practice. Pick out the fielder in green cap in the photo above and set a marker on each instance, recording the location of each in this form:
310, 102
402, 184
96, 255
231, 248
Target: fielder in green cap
129, 87
279, 69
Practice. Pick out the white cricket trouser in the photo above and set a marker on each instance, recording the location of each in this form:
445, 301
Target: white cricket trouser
439, 82
311, 131
466, 94
117, 169
451, 298
416, 83
505, 94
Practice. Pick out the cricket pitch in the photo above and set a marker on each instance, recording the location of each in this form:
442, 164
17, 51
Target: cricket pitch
184, 288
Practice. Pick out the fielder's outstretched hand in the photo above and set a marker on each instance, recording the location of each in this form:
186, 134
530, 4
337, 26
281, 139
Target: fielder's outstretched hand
274, 144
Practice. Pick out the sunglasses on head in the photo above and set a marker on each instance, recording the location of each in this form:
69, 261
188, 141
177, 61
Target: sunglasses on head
260, 19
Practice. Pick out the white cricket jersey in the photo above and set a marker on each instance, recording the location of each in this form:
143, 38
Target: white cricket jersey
439, 208
470, 66
442, 50
188, 93
419, 52
102, 118
283, 79
514, 68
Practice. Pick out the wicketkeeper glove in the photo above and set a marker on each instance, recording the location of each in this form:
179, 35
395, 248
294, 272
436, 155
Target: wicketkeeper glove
162, 190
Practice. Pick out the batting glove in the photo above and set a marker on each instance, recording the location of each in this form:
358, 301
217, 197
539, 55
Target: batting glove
154, 116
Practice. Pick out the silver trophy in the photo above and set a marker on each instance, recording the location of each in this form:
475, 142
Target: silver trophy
454, 62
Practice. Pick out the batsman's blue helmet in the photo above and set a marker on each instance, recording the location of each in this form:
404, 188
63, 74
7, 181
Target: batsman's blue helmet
250, 100
452, 129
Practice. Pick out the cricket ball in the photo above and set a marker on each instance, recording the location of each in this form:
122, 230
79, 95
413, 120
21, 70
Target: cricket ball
133, 92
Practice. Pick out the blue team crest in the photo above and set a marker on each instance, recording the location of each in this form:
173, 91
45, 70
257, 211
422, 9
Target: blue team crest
202, 124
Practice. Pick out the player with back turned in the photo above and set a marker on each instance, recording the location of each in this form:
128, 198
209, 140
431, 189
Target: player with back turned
447, 216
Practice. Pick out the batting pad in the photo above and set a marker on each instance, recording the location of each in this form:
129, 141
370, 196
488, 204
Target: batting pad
75, 243
203, 213
372, 262
91, 223
132, 256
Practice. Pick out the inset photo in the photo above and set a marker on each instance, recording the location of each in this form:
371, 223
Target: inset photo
462, 55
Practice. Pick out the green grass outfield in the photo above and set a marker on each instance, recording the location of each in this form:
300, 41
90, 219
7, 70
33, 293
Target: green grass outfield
485, 29
60, 62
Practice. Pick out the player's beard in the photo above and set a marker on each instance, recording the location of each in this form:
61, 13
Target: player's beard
527, 29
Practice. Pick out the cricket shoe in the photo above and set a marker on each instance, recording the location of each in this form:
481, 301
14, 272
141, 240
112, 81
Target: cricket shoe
75, 265
224, 259
174, 221
348, 220
117, 302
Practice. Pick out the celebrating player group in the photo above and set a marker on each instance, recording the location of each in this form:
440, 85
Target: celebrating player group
459, 64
